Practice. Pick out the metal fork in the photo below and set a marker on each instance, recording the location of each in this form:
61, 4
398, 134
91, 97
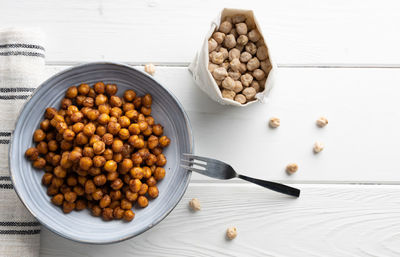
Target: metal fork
221, 170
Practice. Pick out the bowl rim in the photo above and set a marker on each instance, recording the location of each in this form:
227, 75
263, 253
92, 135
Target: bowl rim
145, 228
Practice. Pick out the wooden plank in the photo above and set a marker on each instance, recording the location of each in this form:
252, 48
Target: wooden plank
327, 220
308, 32
361, 138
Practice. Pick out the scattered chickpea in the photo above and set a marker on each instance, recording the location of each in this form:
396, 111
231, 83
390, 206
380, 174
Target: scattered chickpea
322, 122
150, 69
194, 204
274, 122
292, 168
318, 147
231, 233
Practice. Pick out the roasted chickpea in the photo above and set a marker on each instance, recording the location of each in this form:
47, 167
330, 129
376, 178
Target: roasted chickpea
113, 119
108, 154
151, 181
137, 102
99, 147
107, 214
104, 108
118, 213
125, 166
144, 153
125, 204
164, 141
136, 159
148, 131
99, 87
99, 161
94, 171
50, 112
138, 143
111, 176
60, 172
81, 181
124, 121
142, 201
70, 197
72, 181
52, 190
89, 186
158, 130
85, 163
152, 142
153, 191
156, 151
93, 139
111, 89
135, 185
101, 130
96, 211
143, 125
103, 118
80, 204
78, 127
58, 199
151, 159
141, 117
39, 135
115, 195
46, 179
88, 102
68, 207
97, 194
117, 146
143, 189
105, 201
161, 160
124, 134
115, 101
113, 128
145, 110
129, 215
39, 163
100, 180
115, 112
118, 157
129, 95
117, 184
77, 117
89, 129
159, 173
146, 172
72, 92
147, 100
131, 196
74, 156
101, 99
93, 114
128, 107
88, 152
45, 125
110, 166
32, 153
137, 172
108, 138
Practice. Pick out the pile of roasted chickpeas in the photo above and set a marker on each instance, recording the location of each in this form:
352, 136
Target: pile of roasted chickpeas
100, 151
238, 59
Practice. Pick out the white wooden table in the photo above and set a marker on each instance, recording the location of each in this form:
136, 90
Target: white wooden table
336, 58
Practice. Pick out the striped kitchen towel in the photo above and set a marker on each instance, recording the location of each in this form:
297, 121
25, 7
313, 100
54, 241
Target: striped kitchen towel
21, 71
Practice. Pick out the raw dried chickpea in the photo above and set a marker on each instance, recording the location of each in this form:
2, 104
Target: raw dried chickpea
254, 35
241, 28
246, 79
233, 32
322, 122
224, 52
212, 67
225, 65
242, 40
225, 27
231, 233
258, 74
262, 53
228, 83
318, 147
233, 53
274, 122
242, 68
240, 98
266, 66
219, 37
220, 73
217, 57
251, 48
253, 64
238, 87
245, 57
249, 93
229, 94
194, 204
235, 75
235, 64
230, 41
212, 45
292, 168
238, 18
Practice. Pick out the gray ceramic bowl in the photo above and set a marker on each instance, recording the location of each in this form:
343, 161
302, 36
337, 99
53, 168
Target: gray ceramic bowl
81, 226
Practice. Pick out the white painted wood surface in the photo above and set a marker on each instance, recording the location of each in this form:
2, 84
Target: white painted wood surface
309, 32
312, 41
334, 220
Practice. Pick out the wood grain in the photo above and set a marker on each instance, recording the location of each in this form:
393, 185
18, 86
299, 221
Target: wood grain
310, 32
330, 220
361, 140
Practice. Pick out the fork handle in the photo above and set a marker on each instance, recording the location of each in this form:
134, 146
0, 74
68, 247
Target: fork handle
273, 186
